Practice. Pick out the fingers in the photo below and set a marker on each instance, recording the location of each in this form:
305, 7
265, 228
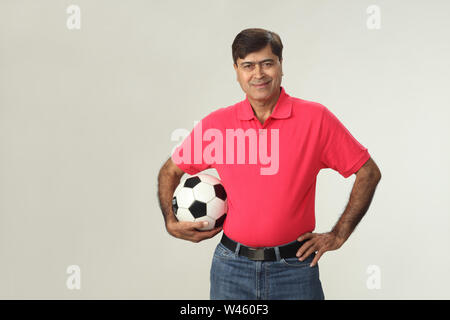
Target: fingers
190, 231
309, 247
210, 233
202, 235
309, 252
193, 227
199, 224
306, 236
319, 243
194, 234
306, 245
316, 258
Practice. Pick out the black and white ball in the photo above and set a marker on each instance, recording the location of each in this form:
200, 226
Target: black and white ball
201, 197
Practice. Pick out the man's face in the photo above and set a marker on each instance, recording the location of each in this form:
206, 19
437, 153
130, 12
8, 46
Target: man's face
259, 74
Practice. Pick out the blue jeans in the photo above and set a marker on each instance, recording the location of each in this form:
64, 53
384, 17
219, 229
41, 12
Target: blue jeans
236, 277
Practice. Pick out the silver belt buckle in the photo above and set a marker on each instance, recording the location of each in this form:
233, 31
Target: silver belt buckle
256, 254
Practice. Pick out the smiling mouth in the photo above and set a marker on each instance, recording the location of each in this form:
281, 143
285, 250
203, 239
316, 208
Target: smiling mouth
261, 85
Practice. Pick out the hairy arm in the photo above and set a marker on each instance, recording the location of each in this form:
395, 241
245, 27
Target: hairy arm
168, 179
367, 178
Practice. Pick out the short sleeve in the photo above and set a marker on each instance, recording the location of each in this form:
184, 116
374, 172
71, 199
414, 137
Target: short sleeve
340, 151
188, 156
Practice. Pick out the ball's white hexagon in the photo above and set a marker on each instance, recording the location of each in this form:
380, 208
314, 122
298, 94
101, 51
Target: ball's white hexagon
184, 214
204, 192
185, 197
216, 208
208, 179
211, 223
178, 188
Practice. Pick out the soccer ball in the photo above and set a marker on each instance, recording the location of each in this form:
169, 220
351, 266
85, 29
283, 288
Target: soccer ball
201, 198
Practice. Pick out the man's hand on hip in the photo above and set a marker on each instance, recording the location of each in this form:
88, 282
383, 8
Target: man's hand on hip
317, 242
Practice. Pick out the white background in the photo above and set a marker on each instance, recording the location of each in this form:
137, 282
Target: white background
86, 118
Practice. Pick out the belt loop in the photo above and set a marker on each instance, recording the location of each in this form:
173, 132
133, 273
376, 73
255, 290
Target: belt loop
236, 251
277, 253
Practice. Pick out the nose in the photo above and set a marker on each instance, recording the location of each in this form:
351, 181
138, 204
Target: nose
258, 71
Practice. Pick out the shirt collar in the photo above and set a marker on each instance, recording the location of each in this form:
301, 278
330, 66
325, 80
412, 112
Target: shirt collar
282, 109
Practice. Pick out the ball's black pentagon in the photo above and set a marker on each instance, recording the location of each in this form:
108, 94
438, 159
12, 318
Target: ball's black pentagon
198, 209
220, 221
192, 182
174, 205
220, 192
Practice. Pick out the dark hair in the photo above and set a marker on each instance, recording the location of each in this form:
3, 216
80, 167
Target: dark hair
255, 39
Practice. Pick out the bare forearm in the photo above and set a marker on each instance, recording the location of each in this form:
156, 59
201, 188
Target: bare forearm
167, 183
360, 199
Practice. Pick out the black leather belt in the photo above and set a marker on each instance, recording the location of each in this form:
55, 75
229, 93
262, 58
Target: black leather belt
262, 254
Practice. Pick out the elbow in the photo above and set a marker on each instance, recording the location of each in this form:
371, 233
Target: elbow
370, 171
370, 175
377, 175
171, 169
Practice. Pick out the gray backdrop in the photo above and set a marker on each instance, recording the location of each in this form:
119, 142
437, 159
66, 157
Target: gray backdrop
87, 116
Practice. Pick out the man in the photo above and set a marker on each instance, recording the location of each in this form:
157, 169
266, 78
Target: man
268, 249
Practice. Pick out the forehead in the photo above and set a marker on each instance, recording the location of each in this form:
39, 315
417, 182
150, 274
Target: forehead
265, 53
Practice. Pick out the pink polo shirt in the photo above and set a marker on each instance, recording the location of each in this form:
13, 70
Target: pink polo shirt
269, 171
